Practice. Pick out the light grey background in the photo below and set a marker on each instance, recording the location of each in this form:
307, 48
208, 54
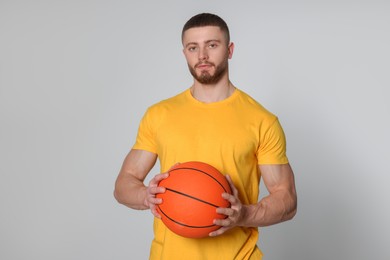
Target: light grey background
76, 77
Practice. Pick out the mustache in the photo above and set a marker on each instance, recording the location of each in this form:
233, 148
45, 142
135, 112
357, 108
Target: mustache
204, 63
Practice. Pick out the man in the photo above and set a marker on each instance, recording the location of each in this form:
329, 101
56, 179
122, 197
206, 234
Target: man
216, 123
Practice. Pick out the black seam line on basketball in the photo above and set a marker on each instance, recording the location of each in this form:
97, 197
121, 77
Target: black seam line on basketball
182, 224
190, 168
189, 196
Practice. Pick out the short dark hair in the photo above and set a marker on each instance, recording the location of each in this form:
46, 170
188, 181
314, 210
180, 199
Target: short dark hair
206, 19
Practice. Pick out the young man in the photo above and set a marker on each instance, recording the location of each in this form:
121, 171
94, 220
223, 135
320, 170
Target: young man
216, 123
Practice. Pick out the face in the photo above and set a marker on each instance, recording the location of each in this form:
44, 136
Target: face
207, 53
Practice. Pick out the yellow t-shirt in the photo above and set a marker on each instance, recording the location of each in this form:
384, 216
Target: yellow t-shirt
234, 135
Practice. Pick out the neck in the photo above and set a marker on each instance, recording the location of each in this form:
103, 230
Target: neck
212, 92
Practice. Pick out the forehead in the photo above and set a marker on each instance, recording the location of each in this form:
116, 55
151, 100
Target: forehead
203, 34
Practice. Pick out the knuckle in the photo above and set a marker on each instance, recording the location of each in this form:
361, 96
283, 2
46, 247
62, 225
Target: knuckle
226, 222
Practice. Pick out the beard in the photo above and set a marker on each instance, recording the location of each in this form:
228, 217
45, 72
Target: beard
205, 77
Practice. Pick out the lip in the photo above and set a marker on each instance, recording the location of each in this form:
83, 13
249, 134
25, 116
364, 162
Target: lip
203, 66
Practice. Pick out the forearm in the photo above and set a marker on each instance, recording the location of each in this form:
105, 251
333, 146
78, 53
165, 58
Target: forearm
129, 187
131, 193
272, 209
280, 205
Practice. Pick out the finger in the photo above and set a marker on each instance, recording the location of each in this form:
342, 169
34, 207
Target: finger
160, 177
225, 211
232, 187
227, 222
155, 190
152, 191
218, 232
231, 198
155, 201
155, 212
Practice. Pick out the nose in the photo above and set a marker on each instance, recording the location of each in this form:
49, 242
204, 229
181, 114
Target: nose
203, 55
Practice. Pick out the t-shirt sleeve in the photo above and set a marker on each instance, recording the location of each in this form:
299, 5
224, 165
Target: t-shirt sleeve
272, 148
146, 134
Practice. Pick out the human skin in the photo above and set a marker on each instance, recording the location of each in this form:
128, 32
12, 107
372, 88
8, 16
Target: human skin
206, 50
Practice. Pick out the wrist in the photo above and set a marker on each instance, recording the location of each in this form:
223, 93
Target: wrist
245, 209
144, 197
249, 216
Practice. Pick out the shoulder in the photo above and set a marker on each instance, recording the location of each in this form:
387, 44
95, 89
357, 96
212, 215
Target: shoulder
254, 107
168, 104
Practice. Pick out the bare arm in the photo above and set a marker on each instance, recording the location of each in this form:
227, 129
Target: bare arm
280, 205
129, 187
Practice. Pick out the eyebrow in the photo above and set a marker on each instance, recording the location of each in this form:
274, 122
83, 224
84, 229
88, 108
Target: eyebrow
208, 41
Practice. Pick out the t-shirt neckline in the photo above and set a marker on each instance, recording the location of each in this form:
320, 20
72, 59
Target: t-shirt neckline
212, 104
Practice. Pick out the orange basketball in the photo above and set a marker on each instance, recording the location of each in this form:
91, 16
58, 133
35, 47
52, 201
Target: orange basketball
193, 193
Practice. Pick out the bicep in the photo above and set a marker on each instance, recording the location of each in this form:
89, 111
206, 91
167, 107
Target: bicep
278, 177
137, 164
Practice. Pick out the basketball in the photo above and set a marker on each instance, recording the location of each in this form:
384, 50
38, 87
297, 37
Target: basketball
193, 193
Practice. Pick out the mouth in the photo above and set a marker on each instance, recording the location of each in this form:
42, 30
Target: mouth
203, 66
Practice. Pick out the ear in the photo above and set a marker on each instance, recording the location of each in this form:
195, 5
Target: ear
231, 49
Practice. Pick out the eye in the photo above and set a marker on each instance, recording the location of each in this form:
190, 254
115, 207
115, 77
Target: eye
192, 48
212, 45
